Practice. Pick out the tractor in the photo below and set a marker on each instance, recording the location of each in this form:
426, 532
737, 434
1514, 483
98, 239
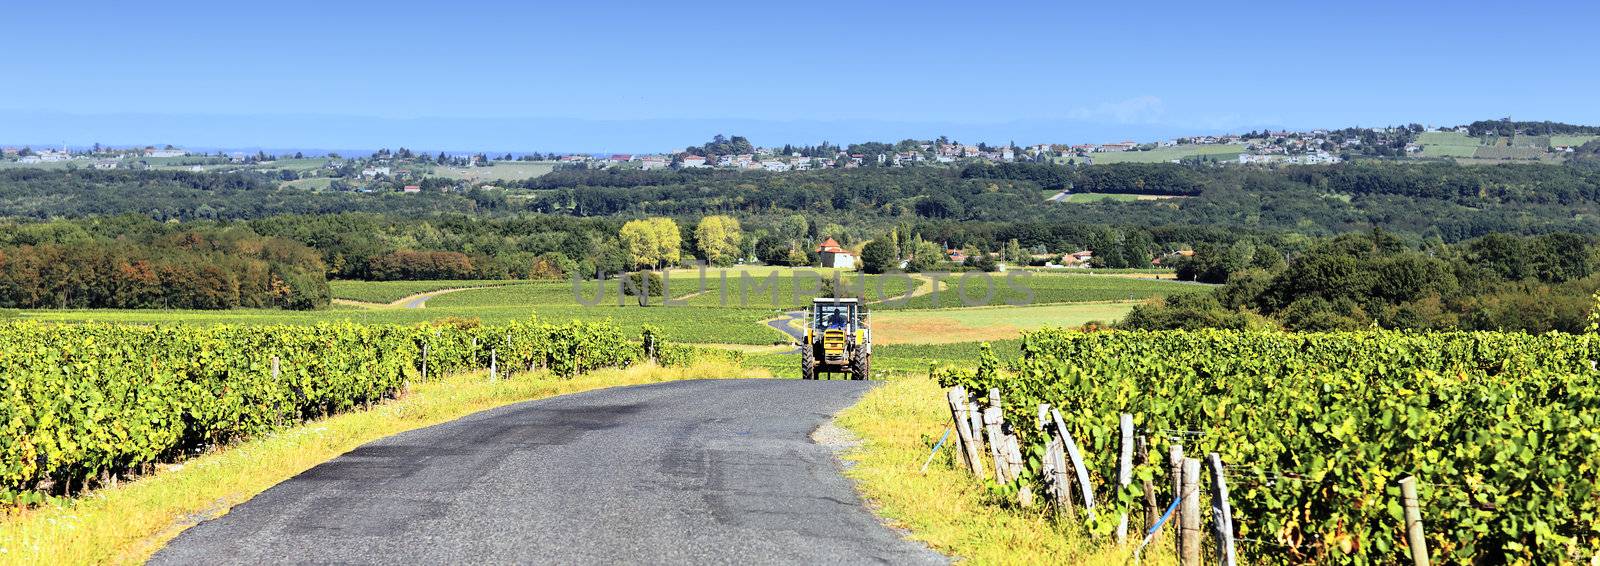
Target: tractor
838, 339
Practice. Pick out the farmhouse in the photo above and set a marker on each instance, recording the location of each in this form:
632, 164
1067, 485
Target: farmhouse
1077, 259
834, 256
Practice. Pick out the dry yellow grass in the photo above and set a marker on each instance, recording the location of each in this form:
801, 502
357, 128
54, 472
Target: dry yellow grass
947, 508
128, 523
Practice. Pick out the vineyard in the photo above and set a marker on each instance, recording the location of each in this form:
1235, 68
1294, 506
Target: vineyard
1499, 431
83, 404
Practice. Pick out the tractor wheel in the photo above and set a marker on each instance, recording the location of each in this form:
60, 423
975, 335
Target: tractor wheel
808, 363
860, 365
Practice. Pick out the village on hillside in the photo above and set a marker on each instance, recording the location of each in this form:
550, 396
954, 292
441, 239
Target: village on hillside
404, 170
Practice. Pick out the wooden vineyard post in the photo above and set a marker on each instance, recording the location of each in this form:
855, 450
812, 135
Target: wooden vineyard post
1141, 448
1414, 535
1124, 470
494, 366
991, 424
1221, 512
1013, 452
1055, 464
975, 422
275, 371
424, 361
1189, 515
1048, 463
957, 397
1175, 469
1077, 461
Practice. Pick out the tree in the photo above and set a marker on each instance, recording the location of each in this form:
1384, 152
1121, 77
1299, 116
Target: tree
718, 237
925, 256
651, 242
795, 227
878, 256
1014, 253
772, 249
1506, 255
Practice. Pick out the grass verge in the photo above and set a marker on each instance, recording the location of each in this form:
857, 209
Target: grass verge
946, 508
128, 523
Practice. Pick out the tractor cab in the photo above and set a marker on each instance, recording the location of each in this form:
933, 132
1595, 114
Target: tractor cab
838, 339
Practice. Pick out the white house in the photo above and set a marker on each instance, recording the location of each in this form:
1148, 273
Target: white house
834, 256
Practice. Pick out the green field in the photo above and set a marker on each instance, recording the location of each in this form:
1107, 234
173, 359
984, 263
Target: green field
1115, 197
390, 291
183, 162
726, 326
1520, 152
906, 358
683, 286
1221, 152
1100, 197
1571, 141
498, 171
310, 183
748, 291
1447, 144
949, 331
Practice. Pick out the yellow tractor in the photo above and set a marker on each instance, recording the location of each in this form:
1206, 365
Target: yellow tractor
838, 339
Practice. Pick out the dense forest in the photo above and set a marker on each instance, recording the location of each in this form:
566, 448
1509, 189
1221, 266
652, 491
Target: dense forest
1361, 280
122, 263
1506, 127
183, 195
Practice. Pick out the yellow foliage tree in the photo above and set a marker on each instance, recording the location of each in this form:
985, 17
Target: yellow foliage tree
651, 242
718, 238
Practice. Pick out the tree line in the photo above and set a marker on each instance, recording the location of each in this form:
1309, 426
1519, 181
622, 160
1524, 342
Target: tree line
58, 266
1360, 280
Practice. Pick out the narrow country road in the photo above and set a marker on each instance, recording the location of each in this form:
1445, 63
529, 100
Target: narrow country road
420, 300
781, 324
693, 472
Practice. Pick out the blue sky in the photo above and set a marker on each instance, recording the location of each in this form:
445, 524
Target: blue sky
577, 76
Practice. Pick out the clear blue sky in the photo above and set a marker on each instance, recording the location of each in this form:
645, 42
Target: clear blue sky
535, 76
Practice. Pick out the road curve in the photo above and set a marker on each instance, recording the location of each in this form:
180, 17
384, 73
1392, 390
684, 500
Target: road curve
713, 471
781, 324
420, 300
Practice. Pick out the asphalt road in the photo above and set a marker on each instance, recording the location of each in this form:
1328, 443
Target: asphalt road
694, 472
781, 324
